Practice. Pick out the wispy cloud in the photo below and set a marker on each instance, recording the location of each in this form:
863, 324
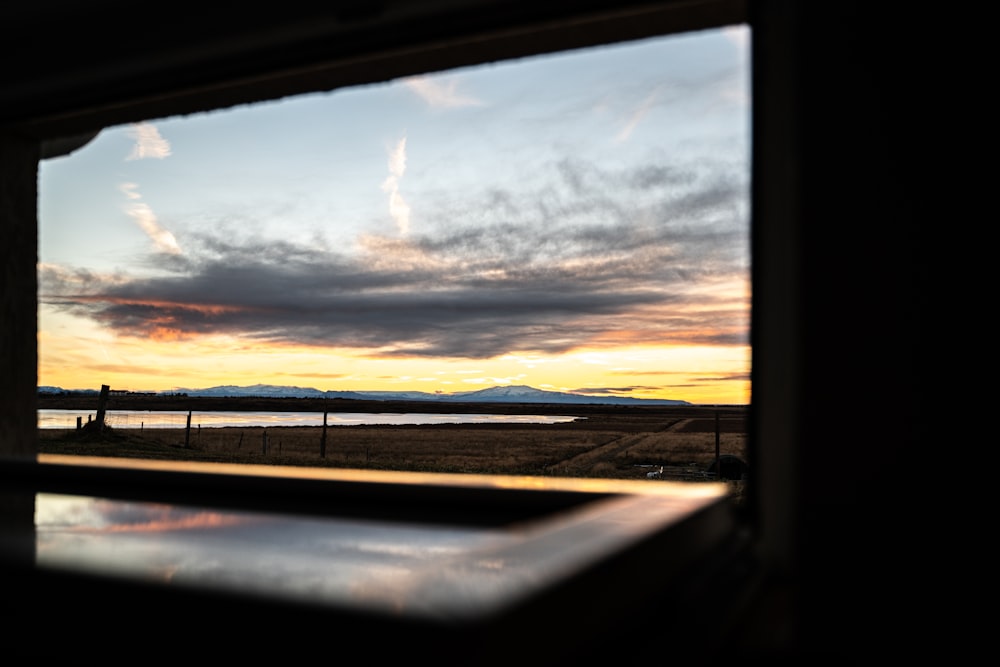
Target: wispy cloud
143, 216
637, 117
440, 93
148, 142
398, 208
614, 391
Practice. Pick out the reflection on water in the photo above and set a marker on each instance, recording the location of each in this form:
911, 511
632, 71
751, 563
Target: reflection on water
178, 418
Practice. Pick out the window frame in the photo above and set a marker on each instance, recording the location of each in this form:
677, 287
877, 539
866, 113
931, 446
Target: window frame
839, 296
54, 126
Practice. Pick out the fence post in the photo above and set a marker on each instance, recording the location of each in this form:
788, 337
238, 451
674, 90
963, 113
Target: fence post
102, 403
718, 455
322, 440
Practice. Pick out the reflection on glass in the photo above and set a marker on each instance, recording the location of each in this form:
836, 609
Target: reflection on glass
322, 559
432, 569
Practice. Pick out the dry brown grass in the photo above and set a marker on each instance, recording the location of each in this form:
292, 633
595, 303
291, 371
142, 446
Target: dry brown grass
614, 444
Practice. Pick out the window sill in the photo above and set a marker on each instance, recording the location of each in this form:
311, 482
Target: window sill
432, 558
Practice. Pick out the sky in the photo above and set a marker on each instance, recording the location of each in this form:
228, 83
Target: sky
574, 222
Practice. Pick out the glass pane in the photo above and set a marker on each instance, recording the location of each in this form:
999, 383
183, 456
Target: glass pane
565, 237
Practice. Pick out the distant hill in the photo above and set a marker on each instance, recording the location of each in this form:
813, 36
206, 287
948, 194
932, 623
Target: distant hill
60, 390
510, 394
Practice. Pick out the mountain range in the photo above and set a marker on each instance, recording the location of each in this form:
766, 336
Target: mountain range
507, 394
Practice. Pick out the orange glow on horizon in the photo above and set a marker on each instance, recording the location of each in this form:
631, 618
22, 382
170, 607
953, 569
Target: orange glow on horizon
703, 375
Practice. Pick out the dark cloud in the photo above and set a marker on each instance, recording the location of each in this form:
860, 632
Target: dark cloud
613, 391
591, 252
735, 377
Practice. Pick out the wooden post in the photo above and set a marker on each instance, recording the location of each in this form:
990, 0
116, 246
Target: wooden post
718, 456
79, 423
187, 432
322, 440
102, 404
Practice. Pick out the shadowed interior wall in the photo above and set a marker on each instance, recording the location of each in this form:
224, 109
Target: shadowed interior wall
18, 296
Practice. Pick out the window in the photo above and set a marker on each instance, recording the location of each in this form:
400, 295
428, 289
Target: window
612, 503
833, 205
574, 223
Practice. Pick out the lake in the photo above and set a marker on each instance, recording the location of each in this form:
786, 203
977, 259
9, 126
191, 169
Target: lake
178, 418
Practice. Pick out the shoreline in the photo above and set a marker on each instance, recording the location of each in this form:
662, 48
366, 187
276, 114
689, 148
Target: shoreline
320, 405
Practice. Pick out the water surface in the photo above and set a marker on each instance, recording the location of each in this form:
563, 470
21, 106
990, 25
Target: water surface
178, 418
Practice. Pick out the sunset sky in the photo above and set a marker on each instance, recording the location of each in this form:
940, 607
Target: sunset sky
576, 222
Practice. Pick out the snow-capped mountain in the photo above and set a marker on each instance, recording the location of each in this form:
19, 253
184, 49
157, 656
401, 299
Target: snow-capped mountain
525, 394
507, 394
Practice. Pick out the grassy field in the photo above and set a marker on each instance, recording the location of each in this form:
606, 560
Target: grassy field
605, 442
